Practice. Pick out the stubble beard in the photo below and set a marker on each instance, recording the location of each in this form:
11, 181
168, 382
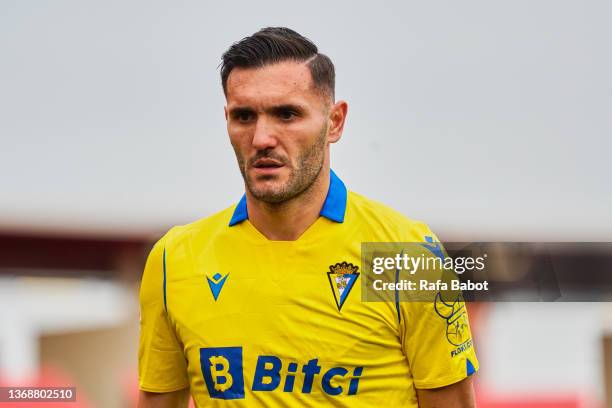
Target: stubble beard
301, 178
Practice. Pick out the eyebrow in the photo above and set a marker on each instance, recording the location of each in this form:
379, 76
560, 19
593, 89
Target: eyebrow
240, 109
272, 109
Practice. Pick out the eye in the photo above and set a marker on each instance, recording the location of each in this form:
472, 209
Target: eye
244, 116
286, 114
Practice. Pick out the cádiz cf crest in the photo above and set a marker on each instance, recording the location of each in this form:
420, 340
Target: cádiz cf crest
342, 277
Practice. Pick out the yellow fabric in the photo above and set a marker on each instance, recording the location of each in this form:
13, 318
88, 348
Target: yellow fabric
277, 317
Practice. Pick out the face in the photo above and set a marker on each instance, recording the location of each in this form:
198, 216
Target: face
280, 127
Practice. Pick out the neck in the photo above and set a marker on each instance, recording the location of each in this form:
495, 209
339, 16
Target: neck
288, 220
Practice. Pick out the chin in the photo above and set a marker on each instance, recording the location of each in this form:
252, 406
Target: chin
272, 193
267, 182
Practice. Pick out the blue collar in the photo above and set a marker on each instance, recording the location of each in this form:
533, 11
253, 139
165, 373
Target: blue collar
333, 209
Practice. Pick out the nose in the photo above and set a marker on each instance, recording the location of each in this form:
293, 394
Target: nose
264, 137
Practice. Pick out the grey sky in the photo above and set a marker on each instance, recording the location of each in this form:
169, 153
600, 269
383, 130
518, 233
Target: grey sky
488, 120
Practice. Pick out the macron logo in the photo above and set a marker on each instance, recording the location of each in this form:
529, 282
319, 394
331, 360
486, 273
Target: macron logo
216, 284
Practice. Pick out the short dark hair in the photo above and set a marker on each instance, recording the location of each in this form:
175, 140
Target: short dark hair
277, 44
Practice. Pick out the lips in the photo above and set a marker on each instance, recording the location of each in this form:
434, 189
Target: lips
267, 164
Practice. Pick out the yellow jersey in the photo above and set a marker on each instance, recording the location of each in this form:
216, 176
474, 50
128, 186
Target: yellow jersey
244, 321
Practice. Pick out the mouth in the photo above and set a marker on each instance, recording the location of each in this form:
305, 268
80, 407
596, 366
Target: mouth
266, 165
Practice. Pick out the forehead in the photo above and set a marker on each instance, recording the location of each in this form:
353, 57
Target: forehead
280, 82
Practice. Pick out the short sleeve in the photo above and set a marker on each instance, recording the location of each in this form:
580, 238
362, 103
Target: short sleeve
436, 336
438, 343
162, 366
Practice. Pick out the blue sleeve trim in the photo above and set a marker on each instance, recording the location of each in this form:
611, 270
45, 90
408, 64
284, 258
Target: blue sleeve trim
397, 305
470, 369
164, 283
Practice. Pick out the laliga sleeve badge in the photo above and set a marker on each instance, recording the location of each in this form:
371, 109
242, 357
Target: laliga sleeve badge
342, 277
457, 328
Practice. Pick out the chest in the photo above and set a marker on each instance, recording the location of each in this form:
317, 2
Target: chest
278, 299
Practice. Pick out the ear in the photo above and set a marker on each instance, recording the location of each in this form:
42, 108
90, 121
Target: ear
337, 116
225, 112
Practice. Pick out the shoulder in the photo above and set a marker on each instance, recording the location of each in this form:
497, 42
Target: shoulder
172, 255
208, 227
384, 222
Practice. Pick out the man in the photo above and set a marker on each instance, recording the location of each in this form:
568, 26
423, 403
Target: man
237, 308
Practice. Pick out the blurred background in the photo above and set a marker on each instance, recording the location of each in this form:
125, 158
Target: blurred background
491, 121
